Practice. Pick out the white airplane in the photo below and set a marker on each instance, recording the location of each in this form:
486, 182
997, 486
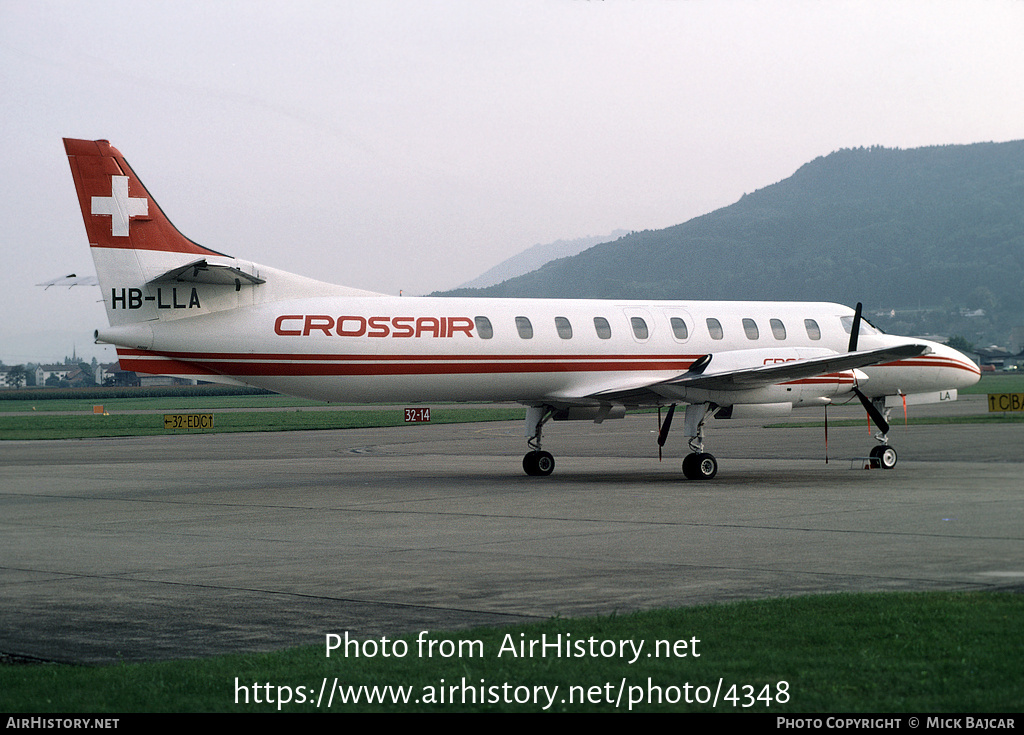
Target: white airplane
178, 308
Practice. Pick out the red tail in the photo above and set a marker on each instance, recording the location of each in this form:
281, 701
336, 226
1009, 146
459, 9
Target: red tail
118, 210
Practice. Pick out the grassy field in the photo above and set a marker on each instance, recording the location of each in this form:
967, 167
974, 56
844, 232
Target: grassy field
163, 403
49, 426
913, 652
997, 383
41, 423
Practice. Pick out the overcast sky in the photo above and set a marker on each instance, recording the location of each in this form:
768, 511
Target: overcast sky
412, 144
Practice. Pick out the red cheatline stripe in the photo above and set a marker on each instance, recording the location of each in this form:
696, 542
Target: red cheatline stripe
937, 361
295, 357
202, 365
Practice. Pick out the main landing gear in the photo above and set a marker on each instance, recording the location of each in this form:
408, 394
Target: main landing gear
537, 463
698, 465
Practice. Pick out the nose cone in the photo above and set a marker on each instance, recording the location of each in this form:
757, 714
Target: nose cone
956, 366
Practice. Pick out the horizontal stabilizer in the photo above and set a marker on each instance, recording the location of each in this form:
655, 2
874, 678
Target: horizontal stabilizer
70, 280
203, 271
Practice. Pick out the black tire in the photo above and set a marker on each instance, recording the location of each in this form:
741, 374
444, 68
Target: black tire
538, 464
887, 457
701, 466
707, 466
690, 467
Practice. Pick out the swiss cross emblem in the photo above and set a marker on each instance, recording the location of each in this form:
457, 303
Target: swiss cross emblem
120, 206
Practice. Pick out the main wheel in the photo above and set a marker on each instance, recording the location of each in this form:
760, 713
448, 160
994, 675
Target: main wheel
538, 464
707, 465
885, 455
701, 466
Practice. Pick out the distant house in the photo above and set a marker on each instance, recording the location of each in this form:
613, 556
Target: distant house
56, 372
113, 375
107, 374
994, 358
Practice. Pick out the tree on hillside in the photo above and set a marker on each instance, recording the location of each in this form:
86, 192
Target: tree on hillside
17, 376
958, 342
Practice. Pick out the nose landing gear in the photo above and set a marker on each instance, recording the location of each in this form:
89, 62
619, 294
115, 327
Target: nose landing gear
885, 455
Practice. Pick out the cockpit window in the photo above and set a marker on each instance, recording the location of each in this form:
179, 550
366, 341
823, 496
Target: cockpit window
866, 327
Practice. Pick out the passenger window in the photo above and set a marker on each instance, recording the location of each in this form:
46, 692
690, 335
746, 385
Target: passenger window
639, 327
679, 328
483, 327
812, 329
564, 327
524, 327
715, 328
778, 328
603, 329
750, 329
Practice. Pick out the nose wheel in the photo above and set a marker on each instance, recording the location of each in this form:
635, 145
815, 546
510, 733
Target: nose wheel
885, 455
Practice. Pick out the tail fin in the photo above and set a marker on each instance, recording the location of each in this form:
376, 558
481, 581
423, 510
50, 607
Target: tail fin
148, 271
118, 210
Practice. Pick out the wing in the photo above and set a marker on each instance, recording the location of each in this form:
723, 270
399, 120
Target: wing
732, 375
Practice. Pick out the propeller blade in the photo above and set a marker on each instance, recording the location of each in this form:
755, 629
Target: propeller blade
855, 328
873, 412
663, 434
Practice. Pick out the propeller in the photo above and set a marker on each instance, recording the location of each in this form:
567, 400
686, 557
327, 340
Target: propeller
855, 328
663, 429
873, 412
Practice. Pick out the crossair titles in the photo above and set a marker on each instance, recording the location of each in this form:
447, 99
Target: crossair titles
303, 325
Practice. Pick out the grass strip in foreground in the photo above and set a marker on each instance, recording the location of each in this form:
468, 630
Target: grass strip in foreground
893, 652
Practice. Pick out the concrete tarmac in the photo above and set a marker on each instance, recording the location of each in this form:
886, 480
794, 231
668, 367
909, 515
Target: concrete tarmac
186, 546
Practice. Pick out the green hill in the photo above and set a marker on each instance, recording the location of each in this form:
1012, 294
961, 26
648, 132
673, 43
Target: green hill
924, 227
